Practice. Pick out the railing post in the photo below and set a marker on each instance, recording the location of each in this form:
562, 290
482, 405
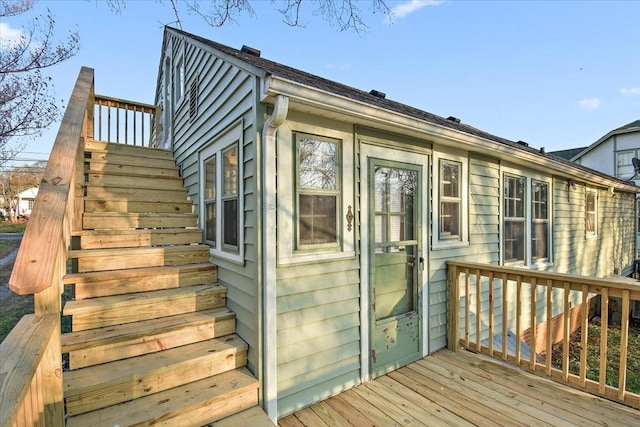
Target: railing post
453, 324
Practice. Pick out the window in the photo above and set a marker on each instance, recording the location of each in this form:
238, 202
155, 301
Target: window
539, 220
526, 219
220, 165
450, 195
318, 192
624, 164
179, 83
514, 218
591, 212
450, 200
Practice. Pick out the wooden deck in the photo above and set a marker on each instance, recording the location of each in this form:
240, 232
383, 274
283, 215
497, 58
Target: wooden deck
462, 389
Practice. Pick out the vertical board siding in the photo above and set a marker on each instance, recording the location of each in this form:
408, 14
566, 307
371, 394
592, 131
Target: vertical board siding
318, 331
226, 94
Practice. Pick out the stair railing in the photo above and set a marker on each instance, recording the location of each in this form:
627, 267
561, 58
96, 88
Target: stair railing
31, 390
541, 321
125, 122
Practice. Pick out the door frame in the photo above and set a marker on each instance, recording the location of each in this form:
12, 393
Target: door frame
368, 151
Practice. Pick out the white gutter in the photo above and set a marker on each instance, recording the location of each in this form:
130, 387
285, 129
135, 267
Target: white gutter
270, 342
328, 101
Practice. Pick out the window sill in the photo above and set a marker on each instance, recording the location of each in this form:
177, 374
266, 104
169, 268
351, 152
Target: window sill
233, 258
443, 244
301, 258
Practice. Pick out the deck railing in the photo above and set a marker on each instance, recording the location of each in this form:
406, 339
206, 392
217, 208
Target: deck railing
125, 122
540, 321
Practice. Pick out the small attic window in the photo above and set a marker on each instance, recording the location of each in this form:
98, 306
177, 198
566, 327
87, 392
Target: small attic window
250, 51
378, 94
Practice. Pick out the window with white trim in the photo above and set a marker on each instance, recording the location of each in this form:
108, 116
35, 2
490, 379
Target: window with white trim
317, 192
539, 220
526, 219
450, 189
221, 204
591, 212
316, 209
624, 164
179, 80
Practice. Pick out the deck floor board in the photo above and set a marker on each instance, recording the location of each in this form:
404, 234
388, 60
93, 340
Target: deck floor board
463, 389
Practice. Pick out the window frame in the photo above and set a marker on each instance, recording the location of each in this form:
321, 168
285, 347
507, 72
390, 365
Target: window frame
179, 80
629, 174
591, 234
463, 160
230, 138
306, 191
530, 178
287, 251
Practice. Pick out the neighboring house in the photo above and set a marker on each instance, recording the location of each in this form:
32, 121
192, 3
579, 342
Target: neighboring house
613, 154
331, 213
24, 202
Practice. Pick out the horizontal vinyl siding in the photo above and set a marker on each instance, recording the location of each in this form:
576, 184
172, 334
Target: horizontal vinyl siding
226, 95
318, 331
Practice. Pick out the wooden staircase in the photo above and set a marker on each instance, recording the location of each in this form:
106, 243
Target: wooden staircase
152, 340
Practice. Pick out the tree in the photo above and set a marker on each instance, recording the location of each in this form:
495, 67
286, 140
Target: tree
27, 102
16, 180
343, 14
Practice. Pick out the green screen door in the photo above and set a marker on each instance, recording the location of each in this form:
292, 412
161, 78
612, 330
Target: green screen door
396, 264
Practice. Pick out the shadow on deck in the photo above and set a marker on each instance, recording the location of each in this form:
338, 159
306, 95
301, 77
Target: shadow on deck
463, 389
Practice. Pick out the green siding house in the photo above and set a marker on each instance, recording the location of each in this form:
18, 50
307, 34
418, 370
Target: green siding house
331, 213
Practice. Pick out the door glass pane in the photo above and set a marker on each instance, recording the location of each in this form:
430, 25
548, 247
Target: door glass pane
210, 222
395, 264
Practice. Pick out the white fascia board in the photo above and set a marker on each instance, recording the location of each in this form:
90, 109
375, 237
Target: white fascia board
308, 95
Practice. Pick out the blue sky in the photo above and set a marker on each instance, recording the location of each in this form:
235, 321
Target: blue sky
553, 74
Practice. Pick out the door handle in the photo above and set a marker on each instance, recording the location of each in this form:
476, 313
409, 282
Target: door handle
411, 261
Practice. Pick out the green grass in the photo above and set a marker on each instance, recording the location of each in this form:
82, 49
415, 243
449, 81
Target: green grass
12, 227
14, 307
613, 355
8, 246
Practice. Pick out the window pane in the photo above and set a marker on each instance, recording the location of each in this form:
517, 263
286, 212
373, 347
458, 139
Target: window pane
513, 240
539, 243
590, 212
230, 171
539, 199
230, 222
317, 164
318, 222
449, 219
450, 179
514, 196
210, 182
210, 223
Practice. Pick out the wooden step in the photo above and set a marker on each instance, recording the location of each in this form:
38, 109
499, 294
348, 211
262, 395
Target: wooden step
104, 239
194, 404
254, 417
108, 180
121, 258
102, 345
118, 282
126, 159
95, 204
111, 383
135, 167
93, 146
120, 309
114, 220
137, 194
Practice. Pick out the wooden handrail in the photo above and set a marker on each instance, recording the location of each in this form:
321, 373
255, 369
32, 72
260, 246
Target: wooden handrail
31, 352
38, 258
125, 122
543, 308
